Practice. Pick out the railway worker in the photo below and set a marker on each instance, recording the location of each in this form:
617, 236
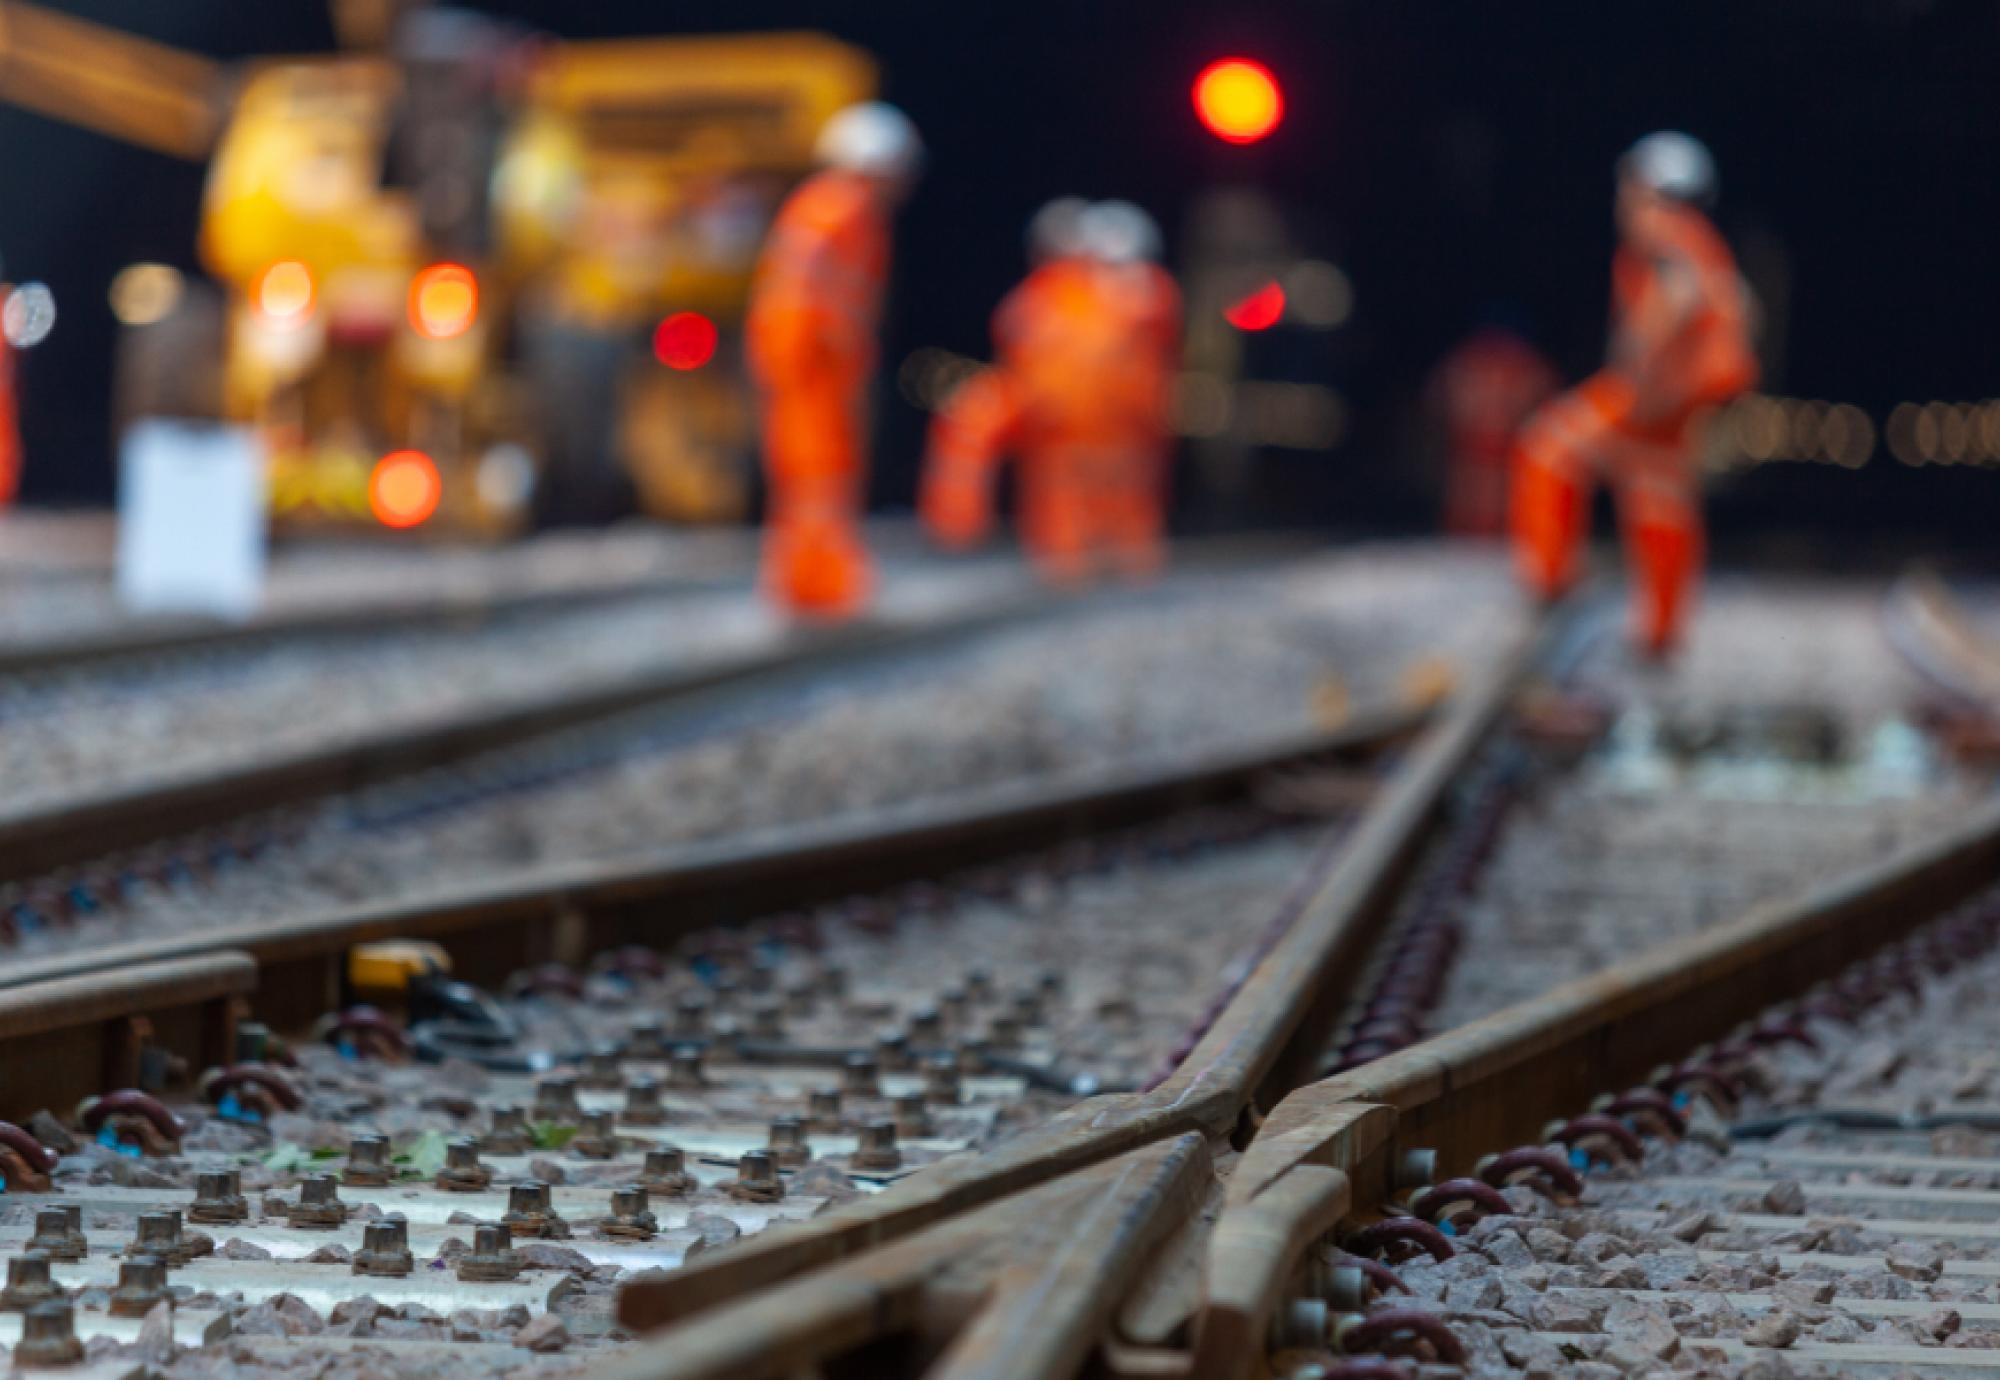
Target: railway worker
1085, 352
810, 337
10, 424
1483, 390
1680, 347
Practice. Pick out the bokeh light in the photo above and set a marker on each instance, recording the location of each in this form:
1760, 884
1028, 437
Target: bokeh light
1238, 100
28, 316
444, 301
142, 294
1260, 311
284, 292
685, 340
404, 489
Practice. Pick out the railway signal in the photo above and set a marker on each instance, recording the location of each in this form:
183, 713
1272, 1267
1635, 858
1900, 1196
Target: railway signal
1238, 100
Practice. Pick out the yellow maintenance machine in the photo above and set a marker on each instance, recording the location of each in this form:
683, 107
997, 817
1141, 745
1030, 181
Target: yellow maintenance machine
465, 269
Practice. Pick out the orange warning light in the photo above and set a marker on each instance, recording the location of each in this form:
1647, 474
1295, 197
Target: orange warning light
444, 301
404, 489
685, 340
1238, 100
1259, 311
284, 292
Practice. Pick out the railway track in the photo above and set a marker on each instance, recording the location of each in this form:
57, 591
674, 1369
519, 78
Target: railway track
1041, 1138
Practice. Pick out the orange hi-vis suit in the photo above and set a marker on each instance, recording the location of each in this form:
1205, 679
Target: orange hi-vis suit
10, 428
810, 337
1484, 389
1680, 348
1080, 390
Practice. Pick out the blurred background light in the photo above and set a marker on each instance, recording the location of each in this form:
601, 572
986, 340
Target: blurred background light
1238, 100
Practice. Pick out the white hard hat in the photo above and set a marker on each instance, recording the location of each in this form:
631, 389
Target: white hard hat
1117, 232
873, 138
1056, 231
1674, 165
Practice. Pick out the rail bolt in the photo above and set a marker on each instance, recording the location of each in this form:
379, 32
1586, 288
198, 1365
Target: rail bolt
1027, 1009
892, 1051
507, 1133
531, 1212
647, 1040
756, 1179
142, 1282
28, 1283
368, 1162
1416, 1168
926, 1025
859, 1077
913, 1118
462, 1171
877, 1150
643, 1106
1300, 1325
665, 1173
555, 1100
318, 1207
941, 1081
48, 1337
788, 1148
59, 1232
385, 1250
823, 1109
218, 1198
684, 1070
767, 1020
691, 1015
598, 1138
492, 1259
159, 1234
601, 1071
1004, 1031
979, 984
631, 1216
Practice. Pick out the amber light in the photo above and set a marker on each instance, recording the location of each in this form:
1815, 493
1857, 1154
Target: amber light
285, 292
1238, 100
404, 489
444, 301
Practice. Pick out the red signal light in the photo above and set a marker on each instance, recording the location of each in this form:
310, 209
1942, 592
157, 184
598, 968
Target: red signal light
685, 340
1260, 311
444, 301
404, 489
1238, 100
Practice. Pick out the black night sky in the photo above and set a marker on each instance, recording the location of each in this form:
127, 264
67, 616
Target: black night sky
1449, 156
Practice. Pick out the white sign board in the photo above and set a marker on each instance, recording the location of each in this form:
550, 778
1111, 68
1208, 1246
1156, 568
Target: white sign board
192, 518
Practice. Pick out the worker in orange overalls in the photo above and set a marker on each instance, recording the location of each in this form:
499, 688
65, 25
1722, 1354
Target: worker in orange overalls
10, 415
1483, 390
810, 337
1680, 347
1086, 349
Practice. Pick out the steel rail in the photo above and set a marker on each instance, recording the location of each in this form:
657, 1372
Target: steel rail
1246, 1059
566, 913
1499, 1081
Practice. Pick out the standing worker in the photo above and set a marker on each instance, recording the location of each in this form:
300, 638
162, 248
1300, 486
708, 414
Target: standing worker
1482, 391
1085, 353
810, 336
1680, 347
10, 423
